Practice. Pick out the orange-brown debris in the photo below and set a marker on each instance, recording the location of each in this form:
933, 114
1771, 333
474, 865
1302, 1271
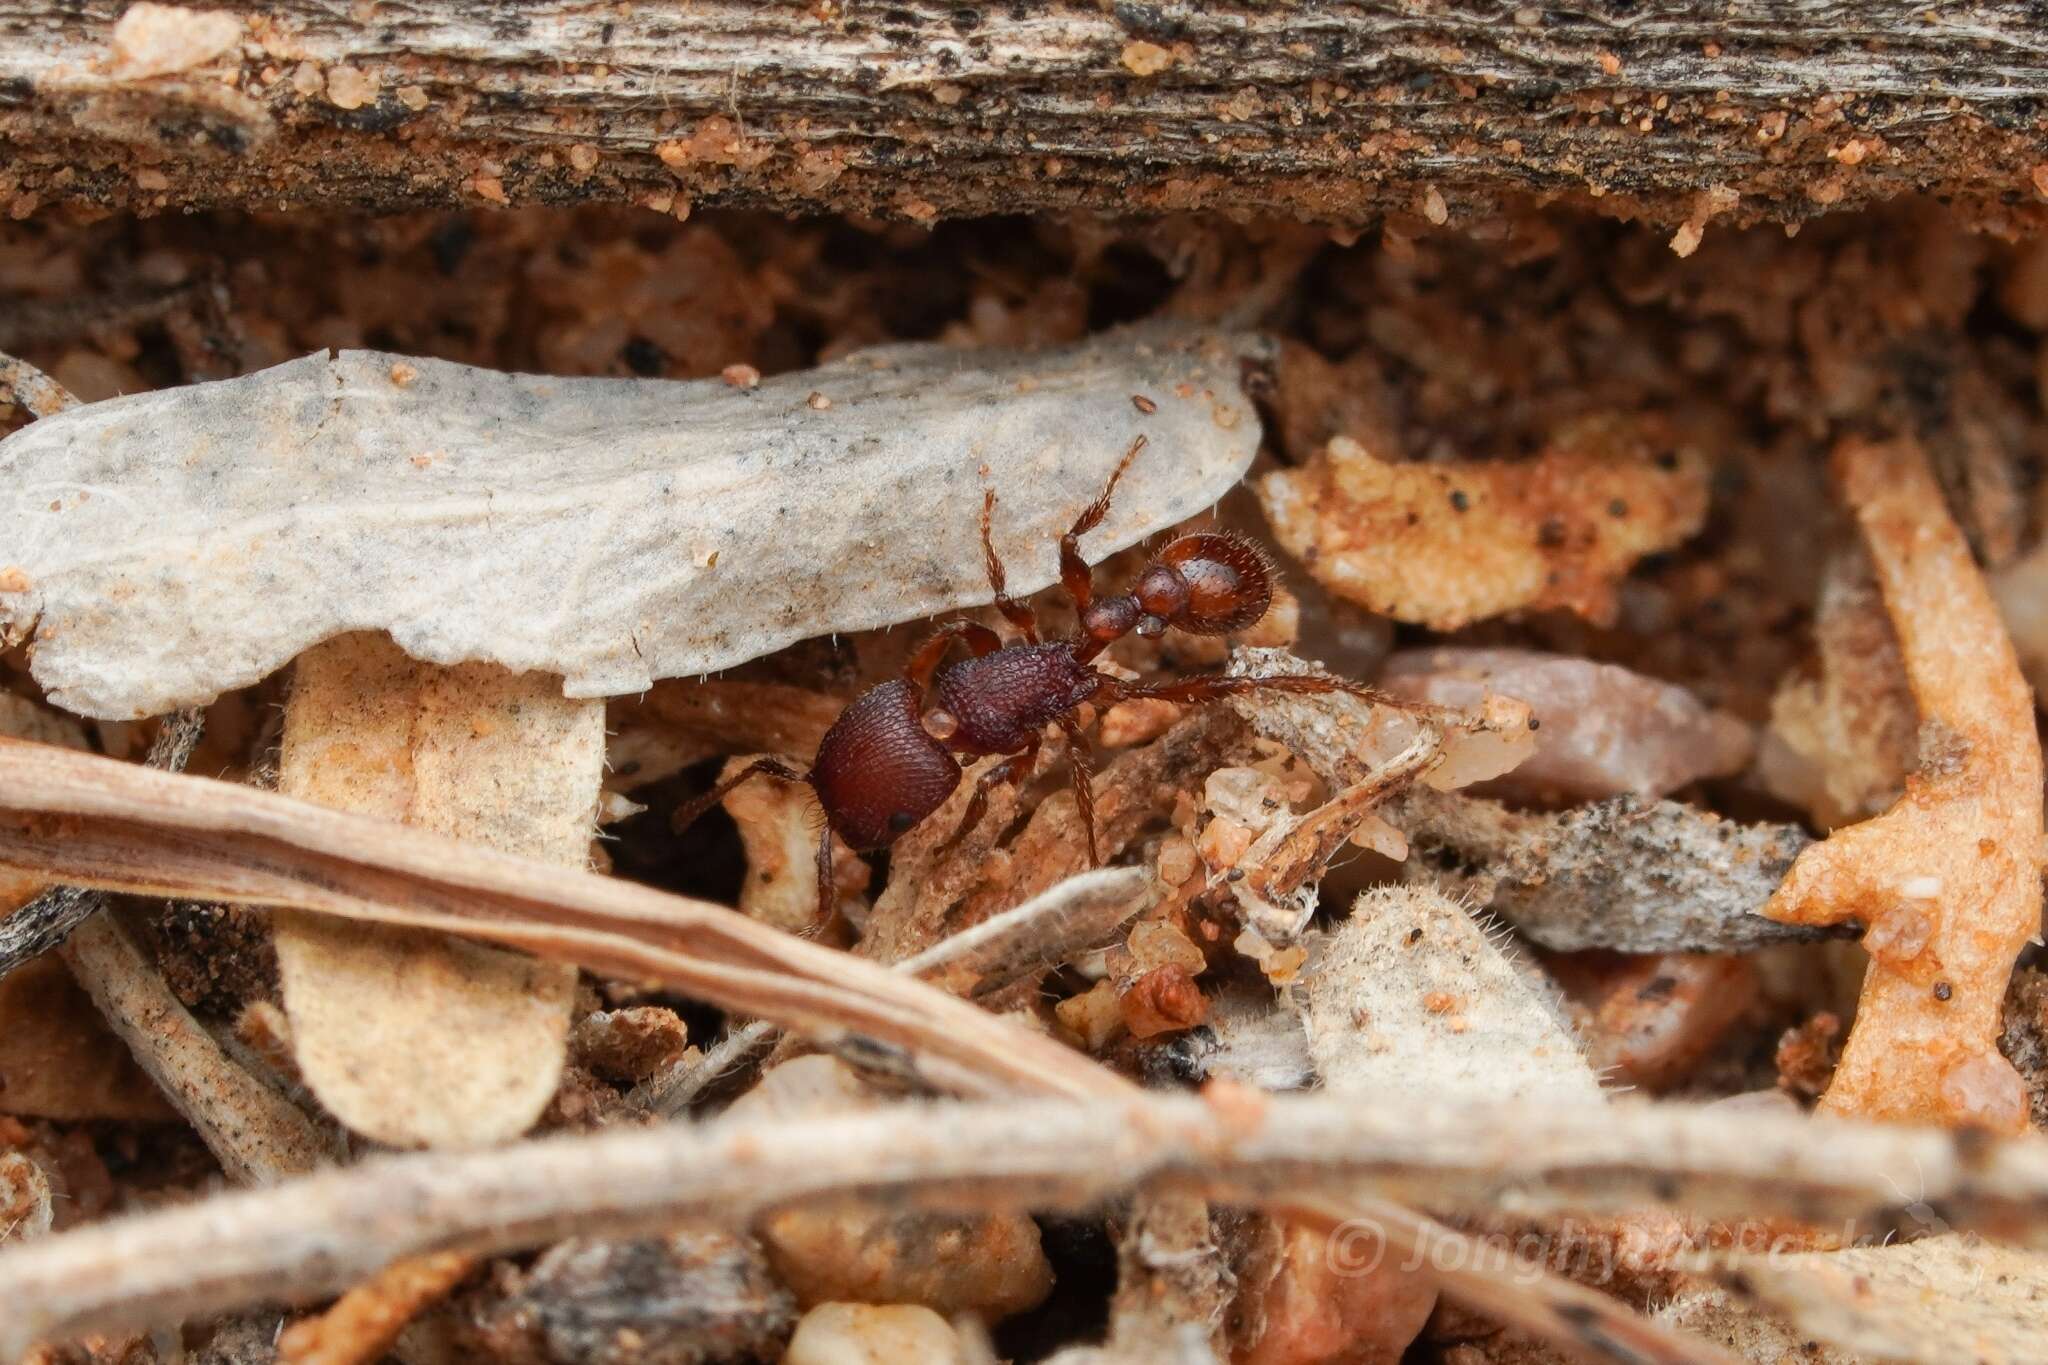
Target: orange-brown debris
1947, 882
1444, 545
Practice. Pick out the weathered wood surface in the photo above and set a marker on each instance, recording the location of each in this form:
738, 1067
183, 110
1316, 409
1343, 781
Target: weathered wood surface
929, 108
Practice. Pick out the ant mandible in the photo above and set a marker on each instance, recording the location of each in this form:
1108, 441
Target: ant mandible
889, 760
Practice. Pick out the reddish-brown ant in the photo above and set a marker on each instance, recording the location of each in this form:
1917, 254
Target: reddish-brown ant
889, 759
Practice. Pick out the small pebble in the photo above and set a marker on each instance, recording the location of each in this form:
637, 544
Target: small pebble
871, 1334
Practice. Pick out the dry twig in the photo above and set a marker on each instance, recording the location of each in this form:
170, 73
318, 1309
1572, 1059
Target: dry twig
322, 1233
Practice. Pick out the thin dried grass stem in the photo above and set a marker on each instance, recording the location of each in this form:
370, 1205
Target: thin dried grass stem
49, 919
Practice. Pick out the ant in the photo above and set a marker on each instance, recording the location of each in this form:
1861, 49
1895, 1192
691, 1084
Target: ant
889, 760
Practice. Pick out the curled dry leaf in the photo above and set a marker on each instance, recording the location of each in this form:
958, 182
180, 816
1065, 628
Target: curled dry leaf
1444, 545
1604, 729
1611, 874
608, 531
1948, 881
408, 1037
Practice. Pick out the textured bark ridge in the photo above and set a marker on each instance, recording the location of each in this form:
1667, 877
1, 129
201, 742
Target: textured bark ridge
1679, 112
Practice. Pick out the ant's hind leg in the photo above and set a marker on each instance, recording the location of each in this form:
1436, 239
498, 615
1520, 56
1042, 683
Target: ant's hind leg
1075, 575
686, 814
1015, 612
1082, 760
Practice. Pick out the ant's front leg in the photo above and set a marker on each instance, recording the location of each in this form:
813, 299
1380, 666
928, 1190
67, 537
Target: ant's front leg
1011, 769
828, 899
1075, 575
686, 814
1015, 612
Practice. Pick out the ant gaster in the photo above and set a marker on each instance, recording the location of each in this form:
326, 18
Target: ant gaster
889, 760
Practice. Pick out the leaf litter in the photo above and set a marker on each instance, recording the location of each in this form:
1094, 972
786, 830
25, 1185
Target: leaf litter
1582, 857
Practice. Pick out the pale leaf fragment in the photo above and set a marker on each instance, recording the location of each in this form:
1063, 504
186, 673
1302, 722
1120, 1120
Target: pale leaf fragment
610, 531
1933, 1302
406, 1036
1411, 998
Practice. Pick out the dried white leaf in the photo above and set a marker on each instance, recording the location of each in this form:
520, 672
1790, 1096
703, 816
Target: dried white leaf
166, 547
1410, 997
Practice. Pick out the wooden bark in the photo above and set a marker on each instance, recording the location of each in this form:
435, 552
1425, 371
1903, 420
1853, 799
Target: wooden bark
925, 108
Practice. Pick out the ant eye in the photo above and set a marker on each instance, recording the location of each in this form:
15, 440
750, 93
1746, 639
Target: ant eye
901, 821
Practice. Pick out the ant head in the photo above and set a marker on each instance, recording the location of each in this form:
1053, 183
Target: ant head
1211, 583
1110, 618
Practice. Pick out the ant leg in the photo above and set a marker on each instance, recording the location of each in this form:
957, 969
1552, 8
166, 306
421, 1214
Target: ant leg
1195, 690
1082, 760
1015, 612
1075, 575
827, 899
1016, 766
925, 662
686, 814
